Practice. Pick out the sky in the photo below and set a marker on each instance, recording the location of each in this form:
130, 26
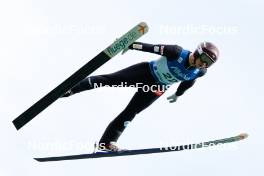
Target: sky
43, 42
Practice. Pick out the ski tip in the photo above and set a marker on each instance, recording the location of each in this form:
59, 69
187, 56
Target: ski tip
143, 27
143, 23
243, 136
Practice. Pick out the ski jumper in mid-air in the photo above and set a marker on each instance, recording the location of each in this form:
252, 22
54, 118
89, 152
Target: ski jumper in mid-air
175, 65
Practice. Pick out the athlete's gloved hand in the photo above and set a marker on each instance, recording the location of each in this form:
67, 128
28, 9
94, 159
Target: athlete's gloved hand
67, 94
126, 49
173, 98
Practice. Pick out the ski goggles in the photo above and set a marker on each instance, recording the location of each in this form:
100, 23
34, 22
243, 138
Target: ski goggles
204, 57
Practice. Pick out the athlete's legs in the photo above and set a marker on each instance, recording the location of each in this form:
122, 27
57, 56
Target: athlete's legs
139, 73
139, 102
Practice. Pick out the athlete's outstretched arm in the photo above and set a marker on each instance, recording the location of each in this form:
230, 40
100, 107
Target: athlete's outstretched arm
169, 51
184, 85
181, 89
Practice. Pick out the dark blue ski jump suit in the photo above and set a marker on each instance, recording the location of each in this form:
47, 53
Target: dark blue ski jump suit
171, 67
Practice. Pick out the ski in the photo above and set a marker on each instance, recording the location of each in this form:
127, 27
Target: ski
112, 50
146, 151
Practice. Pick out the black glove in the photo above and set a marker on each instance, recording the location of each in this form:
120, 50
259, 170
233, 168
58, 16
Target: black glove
67, 94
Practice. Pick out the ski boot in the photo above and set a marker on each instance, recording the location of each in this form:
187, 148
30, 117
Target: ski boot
109, 147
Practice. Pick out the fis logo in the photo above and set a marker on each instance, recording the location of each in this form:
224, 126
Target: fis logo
180, 59
179, 73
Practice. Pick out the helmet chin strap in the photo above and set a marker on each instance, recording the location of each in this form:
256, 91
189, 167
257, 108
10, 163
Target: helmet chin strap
191, 63
194, 61
195, 56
